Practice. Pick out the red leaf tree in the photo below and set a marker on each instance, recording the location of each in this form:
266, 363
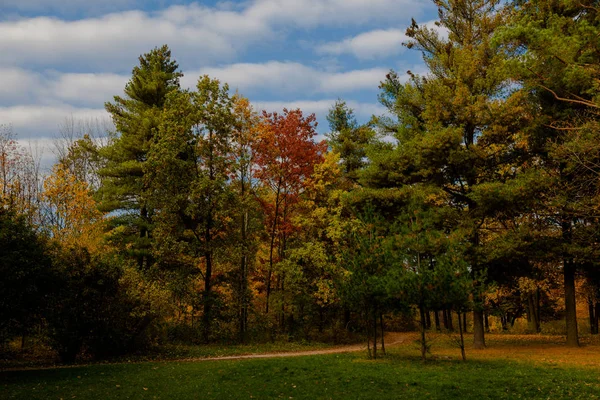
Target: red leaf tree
286, 154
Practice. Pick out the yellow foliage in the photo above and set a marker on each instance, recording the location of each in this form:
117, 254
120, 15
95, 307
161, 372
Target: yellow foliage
73, 216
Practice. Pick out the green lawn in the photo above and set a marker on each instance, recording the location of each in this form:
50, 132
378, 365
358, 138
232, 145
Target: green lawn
338, 376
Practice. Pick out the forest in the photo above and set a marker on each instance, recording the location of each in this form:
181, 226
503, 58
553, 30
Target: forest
470, 206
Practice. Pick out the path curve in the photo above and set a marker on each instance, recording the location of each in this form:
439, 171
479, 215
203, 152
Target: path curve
391, 339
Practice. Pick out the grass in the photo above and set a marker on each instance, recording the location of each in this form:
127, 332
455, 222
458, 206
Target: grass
168, 352
509, 369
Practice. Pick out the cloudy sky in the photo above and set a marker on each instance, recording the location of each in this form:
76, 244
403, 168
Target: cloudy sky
65, 58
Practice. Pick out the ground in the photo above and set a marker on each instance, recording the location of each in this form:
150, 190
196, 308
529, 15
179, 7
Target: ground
511, 367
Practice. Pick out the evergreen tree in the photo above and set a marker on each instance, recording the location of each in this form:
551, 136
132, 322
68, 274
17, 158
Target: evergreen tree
557, 59
136, 117
348, 138
457, 130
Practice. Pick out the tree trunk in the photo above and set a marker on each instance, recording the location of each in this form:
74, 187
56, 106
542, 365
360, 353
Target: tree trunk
368, 335
569, 287
445, 318
533, 312
375, 335
428, 319
570, 307
592, 316
243, 310
478, 331
382, 334
272, 244
450, 322
436, 316
464, 322
207, 317
462, 339
538, 309
423, 342
486, 322
597, 315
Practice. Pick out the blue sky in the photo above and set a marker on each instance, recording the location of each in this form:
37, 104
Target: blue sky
65, 58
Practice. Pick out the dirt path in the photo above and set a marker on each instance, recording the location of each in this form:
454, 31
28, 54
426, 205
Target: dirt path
391, 339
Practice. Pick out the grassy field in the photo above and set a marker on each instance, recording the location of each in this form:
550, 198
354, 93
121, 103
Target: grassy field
511, 368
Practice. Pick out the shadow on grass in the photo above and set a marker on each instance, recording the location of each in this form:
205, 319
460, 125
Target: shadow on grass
344, 376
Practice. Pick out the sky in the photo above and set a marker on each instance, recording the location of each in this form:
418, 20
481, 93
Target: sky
64, 59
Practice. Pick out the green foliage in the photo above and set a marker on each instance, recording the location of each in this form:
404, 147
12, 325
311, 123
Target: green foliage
348, 138
26, 275
137, 117
99, 306
188, 173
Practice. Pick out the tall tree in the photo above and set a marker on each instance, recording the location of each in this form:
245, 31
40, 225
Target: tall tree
188, 171
557, 57
286, 154
348, 138
136, 117
457, 127
242, 142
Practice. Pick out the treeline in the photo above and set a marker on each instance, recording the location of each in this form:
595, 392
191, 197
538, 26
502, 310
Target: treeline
201, 219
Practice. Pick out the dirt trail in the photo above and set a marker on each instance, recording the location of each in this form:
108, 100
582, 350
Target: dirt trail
391, 339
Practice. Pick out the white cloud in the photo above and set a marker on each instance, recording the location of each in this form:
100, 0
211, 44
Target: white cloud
320, 107
89, 89
368, 45
310, 13
67, 5
20, 86
33, 121
17, 85
375, 44
201, 33
92, 90
290, 77
115, 40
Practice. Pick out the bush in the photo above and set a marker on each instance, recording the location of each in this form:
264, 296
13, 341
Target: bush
25, 275
100, 307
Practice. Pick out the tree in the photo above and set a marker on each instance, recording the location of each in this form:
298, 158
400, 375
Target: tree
368, 260
71, 214
285, 154
78, 144
188, 171
457, 127
136, 117
312, 265
246, 206
19, 176
557, 59
26, 275
348, 138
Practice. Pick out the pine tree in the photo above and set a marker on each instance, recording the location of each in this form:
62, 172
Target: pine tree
557, 59
457, 128
348, 138
136, 117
